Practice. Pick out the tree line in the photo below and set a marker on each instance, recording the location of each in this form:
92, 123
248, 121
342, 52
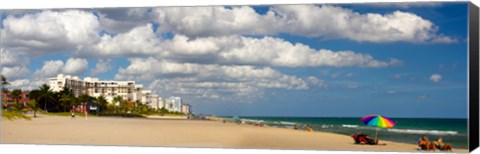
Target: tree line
46, 100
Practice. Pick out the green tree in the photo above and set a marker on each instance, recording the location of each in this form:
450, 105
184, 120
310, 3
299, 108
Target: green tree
65, 99
34, 94
33, 103
119, 100
16, 94
45, 94
101, 103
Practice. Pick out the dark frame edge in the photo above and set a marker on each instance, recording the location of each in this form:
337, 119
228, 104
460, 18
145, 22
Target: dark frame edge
473, 30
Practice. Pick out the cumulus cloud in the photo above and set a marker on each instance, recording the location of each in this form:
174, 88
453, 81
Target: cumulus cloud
305, 20
75, 66
436, 77
50, 68
406, 5
51, 31
15, 72
210, 80
14, 64
23, 84
120, 20
139, 40
102, 66
238, 50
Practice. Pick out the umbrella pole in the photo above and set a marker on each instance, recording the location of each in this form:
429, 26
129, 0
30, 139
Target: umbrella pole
376, 133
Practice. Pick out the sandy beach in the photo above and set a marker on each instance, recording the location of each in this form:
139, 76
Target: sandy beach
178, 133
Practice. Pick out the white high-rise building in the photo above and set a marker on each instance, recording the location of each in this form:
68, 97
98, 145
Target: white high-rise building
161, 103
94, 87
174, 104
154, 101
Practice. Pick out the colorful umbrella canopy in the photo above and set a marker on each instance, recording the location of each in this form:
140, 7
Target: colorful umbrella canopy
378, 121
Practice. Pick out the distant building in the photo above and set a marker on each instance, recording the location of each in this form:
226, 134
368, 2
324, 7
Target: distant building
25, 98
174, 104
128, 90
186, 108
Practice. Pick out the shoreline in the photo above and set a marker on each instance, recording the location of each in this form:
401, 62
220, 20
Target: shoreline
179, 133
251, 123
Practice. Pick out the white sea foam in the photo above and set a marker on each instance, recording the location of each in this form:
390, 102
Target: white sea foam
414, 131
287, 123
350, 126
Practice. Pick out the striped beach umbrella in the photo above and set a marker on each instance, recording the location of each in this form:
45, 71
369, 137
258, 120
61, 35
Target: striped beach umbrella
378, 121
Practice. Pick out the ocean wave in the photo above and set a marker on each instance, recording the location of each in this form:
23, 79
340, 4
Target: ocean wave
287, 123
414, 131
350, 126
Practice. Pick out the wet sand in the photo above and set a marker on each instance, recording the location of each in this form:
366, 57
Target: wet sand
177, 133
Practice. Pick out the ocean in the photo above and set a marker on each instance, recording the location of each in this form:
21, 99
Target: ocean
406, 130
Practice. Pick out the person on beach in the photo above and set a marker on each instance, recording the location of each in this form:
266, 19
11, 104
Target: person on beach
425, 144
73, 113
440, 145
363, 138
309, 128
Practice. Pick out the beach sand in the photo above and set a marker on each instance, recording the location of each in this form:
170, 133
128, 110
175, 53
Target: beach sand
177, 133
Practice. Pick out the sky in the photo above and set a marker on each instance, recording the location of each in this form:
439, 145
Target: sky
396, 59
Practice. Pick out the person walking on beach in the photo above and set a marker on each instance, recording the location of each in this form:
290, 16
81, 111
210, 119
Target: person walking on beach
73, 113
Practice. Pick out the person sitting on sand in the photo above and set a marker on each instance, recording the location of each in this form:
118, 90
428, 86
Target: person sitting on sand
309, 128
362, 138
440, 145
425, 144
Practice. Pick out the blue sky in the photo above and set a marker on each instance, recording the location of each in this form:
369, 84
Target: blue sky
398, 60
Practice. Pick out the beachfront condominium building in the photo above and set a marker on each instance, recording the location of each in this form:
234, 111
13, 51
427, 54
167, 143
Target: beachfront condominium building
176, 103
128, 90
186, 108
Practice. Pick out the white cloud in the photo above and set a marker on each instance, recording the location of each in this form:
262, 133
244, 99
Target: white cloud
120, 20
50, 68
234, 49
75, 66
15, 72
14, 64
23, 84
215, 21
436, 77
102, 66
405, 5
211, 80
9, 58
51, 31
139, 40
273, 51
305, 20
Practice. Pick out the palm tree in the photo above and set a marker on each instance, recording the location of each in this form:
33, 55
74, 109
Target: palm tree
65, 100
46, 94
17, 95
86, 100
101, 103
4, 82
34, 101
118, 99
